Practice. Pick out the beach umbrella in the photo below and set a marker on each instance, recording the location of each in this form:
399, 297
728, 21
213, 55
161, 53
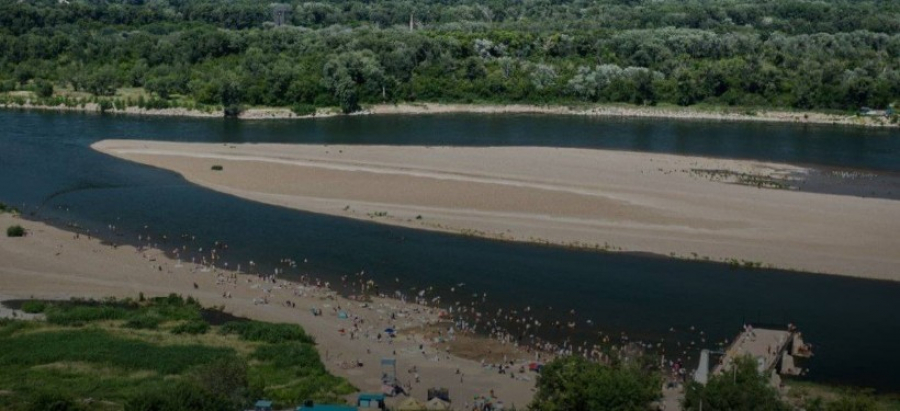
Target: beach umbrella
437, 404
410, 404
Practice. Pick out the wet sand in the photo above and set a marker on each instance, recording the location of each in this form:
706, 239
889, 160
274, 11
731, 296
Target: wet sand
50, 263
610, 200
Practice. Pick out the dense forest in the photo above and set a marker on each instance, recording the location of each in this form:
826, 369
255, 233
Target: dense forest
805, 54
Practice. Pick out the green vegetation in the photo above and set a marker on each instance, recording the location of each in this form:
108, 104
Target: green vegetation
825, 55
216, 168
575, 384
746, 389
154, 355
15, 231
266, 332
742, 389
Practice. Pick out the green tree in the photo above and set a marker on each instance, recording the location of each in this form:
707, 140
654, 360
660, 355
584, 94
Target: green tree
742, 388
575, 384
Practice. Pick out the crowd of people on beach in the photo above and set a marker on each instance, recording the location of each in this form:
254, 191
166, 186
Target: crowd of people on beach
367, 311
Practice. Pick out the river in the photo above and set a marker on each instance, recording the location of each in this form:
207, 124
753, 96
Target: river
48, 169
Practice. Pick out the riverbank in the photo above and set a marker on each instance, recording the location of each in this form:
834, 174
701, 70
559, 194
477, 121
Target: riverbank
611, 110
50, 263
740, 212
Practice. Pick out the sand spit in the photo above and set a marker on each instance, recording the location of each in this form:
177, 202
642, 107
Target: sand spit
611, 200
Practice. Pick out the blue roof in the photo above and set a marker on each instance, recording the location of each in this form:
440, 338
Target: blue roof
263, 403
371, 396
322, 407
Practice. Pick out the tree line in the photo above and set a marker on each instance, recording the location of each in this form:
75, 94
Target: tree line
835, 55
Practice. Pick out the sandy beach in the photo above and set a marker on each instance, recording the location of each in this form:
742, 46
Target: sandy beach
620, 110
50, 263
609, 200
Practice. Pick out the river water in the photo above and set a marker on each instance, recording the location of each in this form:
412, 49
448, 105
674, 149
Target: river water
48, 169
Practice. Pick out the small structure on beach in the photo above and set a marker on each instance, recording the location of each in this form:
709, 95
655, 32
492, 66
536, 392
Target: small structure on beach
370, 401
774, 351
262, 405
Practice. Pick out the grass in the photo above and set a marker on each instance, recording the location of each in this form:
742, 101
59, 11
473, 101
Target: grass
125, 354
266, 332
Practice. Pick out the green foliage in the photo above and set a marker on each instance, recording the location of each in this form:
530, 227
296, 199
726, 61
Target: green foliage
101, 347
191, 327
43, 88
303, 109
575, 384
34, 306
152, 369
266, 332
789, 53
216, 167
54, 402
741, 389
296, 374
182, 397
15, 231
144, 321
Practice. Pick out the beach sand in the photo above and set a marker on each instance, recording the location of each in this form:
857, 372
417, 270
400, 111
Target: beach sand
612, 200
50, 263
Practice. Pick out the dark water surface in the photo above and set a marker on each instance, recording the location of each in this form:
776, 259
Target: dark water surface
46, 165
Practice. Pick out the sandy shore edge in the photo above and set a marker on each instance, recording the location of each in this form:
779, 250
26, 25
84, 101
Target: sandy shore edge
51, 263
675, 113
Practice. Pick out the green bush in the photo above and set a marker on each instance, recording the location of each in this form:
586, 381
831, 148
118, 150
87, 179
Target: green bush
76, 315
184, 397
34, 306
100, 347
304, 109
289, 355
191, 327
53, 402
43, 88
15, 231
144, 321
217, 168
266, 332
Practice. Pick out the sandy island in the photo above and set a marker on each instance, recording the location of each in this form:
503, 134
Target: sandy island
50, 263
612, 200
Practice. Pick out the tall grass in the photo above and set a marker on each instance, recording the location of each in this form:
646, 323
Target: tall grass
266, 332
100, 347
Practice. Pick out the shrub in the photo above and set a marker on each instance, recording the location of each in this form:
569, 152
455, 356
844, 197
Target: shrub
191, 327
43, 89
34, 306
15, 231
304, 109
144, 321
217, 168
266, 332
53, 402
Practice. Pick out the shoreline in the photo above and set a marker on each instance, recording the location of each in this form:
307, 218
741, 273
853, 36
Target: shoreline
53, 263
603, 200
590, 110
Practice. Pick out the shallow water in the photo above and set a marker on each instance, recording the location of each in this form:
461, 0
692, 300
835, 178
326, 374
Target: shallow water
47, 167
